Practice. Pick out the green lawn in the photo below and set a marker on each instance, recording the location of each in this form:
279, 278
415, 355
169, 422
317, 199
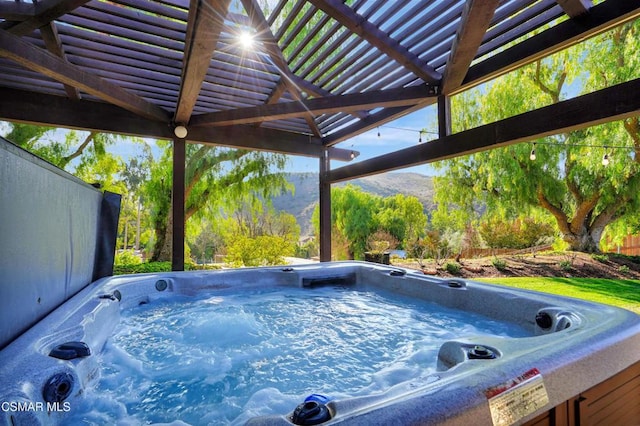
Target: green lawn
621, 293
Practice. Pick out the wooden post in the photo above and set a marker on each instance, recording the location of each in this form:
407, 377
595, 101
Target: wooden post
325, 208
444, 116
179, 156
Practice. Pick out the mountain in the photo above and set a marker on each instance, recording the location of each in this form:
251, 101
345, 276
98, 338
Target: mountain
305, 197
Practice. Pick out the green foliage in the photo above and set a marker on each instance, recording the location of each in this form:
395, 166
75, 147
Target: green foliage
499, 264
453, 268
307, 250
567, 180
431, 246
624, 269
516, 234
148, 267
381, 241
259, 251
603, 258
356, 215
127, 257
216, 179
566, 265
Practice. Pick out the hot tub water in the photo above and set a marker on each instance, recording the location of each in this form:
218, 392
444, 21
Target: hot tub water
222, 359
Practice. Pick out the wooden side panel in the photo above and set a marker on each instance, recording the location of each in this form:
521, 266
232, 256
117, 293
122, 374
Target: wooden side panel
615, 401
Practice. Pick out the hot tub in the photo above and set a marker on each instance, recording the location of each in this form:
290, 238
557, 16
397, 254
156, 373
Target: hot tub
563, 348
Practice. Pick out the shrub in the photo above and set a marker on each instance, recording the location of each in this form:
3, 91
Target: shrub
566, 265
499, 264
127, 257
453, 268
603, 258
623, 269
260, 251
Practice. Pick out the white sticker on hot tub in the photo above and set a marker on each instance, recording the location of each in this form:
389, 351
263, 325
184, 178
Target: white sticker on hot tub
517, 398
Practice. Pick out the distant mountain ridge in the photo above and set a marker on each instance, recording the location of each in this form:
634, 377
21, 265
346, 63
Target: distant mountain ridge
305, 197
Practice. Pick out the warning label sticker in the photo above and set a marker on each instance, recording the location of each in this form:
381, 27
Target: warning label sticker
517, 398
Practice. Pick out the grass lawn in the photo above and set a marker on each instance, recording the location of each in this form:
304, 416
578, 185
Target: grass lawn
621, 293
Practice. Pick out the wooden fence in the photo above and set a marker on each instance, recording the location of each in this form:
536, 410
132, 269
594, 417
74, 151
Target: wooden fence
486, 252
630, 246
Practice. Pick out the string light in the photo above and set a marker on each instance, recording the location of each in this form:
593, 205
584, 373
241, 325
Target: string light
420, 132
606, 158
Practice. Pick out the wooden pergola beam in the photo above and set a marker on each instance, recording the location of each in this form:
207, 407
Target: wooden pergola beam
270, 43
60, 111
51, 40
600, 18
206, 21
39, 60
45, 12
610, 104
15, 11
374, 36
575, 8
476, 17
340, 103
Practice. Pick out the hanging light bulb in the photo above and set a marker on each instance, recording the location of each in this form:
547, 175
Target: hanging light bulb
420, 136
378, 131
532, 156
605, 159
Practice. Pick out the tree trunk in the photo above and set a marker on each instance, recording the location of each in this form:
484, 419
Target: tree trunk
137, 246
163, 227
586, 241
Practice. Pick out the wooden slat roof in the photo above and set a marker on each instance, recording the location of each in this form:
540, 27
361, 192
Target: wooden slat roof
320, 71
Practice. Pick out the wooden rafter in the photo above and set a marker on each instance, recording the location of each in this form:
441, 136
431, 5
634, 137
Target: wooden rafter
101, 117
51, 40
39, 60
568, 33
273, 50
206, 20
16, 11
575, 8
476, 18
45, 12
341, 103
365, 29
606, 105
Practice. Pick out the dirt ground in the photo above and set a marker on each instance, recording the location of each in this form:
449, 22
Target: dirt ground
570, 264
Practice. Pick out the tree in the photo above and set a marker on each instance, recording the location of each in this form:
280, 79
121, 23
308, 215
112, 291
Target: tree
403, 217
60, 147
567, 179
216, 178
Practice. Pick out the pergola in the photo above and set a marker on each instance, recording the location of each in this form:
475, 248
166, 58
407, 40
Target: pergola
319, 73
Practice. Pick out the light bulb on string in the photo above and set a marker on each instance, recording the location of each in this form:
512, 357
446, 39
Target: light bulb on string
532, 156
605, 160
378, 132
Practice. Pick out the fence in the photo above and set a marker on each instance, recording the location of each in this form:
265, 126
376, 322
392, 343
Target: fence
485, 252
630, 246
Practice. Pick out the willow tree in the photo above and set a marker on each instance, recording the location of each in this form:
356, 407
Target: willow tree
83, 154
585, 179
215, 177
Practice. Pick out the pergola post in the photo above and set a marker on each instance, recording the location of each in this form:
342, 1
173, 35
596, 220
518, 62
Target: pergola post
179, 156
325, 208
444, 116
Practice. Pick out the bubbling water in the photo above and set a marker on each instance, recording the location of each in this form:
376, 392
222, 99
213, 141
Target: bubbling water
224, 359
